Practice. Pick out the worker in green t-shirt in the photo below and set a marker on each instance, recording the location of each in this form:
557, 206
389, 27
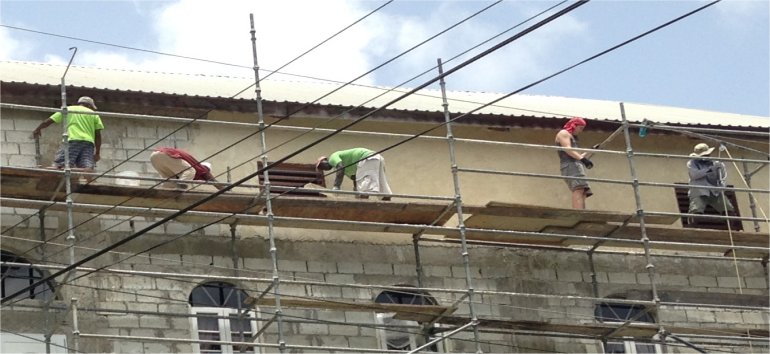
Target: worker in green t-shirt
363, 166
84, 134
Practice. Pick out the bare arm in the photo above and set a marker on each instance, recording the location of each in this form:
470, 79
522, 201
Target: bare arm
97, 145
44, 124
563, 139
339, 177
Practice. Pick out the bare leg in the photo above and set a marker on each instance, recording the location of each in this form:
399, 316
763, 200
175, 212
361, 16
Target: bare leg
579, 198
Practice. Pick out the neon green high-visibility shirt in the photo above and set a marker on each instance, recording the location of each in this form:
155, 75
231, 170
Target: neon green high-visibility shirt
80, 126
349, 158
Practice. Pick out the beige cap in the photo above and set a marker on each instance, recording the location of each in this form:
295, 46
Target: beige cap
87, 100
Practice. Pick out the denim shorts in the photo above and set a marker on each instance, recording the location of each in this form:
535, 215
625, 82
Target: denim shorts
81, 155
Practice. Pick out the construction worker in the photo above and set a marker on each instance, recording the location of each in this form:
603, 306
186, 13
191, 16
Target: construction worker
179, 164
84, 134
363, 166
573, 163
705, 171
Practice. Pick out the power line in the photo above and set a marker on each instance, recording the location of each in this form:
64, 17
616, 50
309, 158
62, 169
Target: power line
308, 146
273, 123
190, 122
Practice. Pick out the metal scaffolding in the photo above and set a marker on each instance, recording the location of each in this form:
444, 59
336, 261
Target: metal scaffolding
456, 297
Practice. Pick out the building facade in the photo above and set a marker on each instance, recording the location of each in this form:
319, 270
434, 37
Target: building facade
195, 284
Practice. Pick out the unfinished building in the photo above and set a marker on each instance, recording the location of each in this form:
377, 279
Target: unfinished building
476, 251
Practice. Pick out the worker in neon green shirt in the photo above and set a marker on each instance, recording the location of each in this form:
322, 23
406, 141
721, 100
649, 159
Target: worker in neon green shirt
84, 134
363, 166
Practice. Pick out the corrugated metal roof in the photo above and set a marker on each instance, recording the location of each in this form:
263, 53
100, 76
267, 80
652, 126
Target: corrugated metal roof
354, 95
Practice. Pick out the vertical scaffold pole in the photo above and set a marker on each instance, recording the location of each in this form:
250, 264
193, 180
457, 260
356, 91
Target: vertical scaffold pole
75, 326
459, 205
71, 239
642, 227
266, 192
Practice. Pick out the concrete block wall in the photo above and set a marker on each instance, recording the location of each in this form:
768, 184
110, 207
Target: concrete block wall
205, 252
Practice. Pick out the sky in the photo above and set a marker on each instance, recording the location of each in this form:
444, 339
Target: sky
717, 59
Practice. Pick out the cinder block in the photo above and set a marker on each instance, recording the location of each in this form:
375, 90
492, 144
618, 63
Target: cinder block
322, 267
542, 274
343, 330
340, 278
756, 282
326, 291
127, 321
727, 282
435, 271
26, 149
673, 315
138, 282
156, 347
405, 269
356, 294
22, 124
622, 278
378, 268
18, 136
11, 148
313, 328
699, 280
755, 318
728, 316
364, 342
128, 347
176, 228
568, 275
350, 267
22, 160
700, 316
292, 266
674, 279
115, 225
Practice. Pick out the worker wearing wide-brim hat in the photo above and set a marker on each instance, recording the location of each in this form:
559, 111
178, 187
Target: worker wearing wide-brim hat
705, 171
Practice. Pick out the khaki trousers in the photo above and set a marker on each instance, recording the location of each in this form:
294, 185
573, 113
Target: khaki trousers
169, 167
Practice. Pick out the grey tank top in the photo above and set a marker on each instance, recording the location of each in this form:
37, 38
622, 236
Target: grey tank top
564, 158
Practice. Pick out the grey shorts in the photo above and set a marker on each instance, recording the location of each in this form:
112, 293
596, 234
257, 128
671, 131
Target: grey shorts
576, 169
81, 155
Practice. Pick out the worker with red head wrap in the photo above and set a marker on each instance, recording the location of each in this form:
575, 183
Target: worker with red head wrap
573, 163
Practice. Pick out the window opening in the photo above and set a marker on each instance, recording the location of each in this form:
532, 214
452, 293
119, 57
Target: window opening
15, 278
620, 313
683, 203
395, 334
222, 316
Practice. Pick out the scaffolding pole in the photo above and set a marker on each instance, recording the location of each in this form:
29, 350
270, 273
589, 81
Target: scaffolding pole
642, 227
459, 205
266, 191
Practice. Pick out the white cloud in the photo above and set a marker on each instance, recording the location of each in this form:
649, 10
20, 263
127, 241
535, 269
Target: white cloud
11, 47
284, 29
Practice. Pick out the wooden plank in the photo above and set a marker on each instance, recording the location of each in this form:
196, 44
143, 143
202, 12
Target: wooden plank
636, 330
689, 239
482, 221
21, 183
420, 313
542, 212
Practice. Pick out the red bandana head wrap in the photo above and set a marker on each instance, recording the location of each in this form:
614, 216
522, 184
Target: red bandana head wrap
572, 123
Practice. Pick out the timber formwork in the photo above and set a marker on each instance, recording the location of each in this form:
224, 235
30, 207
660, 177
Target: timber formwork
428, 219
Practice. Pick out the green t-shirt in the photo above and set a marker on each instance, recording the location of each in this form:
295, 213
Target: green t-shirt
80, 126
349, 158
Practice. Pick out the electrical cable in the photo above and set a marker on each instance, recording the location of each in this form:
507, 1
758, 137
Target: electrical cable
252, 134
193, 120
318, 141
270, 125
